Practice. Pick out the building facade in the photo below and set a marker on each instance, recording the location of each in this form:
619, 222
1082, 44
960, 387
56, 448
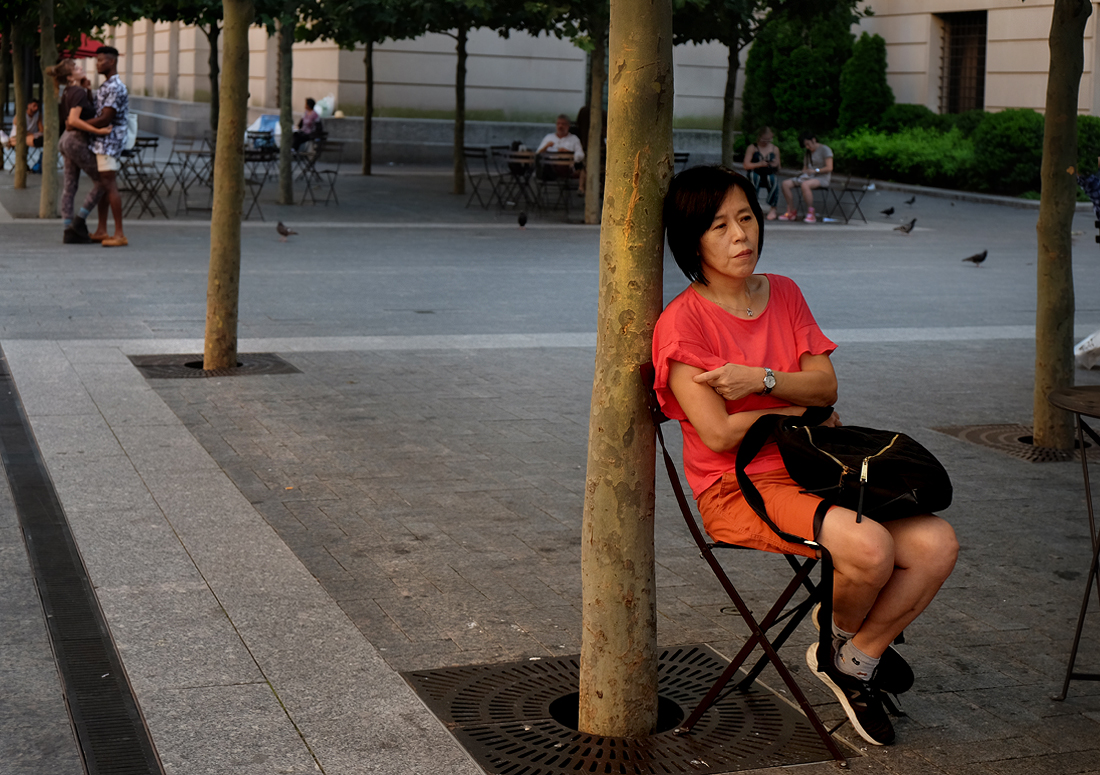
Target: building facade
950, 55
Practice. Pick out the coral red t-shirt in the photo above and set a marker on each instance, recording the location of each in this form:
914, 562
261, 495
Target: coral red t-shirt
698, 332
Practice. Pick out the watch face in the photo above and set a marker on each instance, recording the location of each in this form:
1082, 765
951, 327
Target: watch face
769, 381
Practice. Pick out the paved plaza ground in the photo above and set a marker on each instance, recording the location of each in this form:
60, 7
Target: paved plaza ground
271, 551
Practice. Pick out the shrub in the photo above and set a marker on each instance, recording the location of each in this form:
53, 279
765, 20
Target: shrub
967, 122
1088, 144
1008, 152
792, 76
898, 118
864, 93
920, 155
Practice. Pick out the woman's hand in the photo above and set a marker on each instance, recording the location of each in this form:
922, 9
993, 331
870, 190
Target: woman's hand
833, 421
733, 381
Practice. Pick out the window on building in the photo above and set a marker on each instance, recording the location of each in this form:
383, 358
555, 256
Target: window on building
962, 73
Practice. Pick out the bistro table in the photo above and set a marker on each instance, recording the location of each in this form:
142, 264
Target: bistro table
1082, 401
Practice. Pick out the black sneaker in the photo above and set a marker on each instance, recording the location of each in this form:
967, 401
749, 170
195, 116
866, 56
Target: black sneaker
73, 237
893, 675
860, 700
80, 230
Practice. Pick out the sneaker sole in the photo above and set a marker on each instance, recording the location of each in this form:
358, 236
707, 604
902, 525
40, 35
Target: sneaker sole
842, 697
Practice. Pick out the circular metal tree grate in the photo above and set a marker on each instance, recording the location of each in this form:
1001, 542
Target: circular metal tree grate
189, 366
503, 716
1014, 440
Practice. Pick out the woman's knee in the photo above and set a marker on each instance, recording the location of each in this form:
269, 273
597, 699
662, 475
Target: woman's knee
862, 551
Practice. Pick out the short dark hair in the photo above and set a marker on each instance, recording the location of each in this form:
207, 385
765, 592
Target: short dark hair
693, 199
806, 135
110, 51
310, 102
33, 101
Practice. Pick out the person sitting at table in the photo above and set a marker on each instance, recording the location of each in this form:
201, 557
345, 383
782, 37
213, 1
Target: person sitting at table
817, 172
762, 165
34, 125
309, 126
561, 140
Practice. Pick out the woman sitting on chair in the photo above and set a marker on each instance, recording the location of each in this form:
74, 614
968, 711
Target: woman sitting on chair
734, 346
762, 164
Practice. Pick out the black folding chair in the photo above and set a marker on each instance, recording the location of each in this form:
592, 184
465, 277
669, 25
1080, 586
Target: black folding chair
476, 159
329, 153
849, 196
680, 160
778, 614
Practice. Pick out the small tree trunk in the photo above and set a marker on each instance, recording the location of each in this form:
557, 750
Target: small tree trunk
460, 112
1055, 303
223, 283
618, 675
594, 160
728, 102
212, 35
368, 109
286, 112
5, 74
47, 203
19, 124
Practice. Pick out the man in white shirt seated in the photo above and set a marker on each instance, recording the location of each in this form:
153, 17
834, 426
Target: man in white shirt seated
561, 141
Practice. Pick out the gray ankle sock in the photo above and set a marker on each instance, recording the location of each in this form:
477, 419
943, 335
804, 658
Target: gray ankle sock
839, 634
852, 661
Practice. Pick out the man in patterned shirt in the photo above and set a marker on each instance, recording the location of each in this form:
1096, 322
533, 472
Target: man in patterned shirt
112, 103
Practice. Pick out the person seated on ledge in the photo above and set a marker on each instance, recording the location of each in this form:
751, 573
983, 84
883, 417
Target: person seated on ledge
762, 164
561, 140
736, 345
309, 126
817, 172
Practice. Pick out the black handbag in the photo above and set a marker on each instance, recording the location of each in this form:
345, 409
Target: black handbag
883, 474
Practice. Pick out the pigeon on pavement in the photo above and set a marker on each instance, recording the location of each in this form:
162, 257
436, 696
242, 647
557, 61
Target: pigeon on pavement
888, 211
522, 220
910, 201
905, 228
284, 232
977, 258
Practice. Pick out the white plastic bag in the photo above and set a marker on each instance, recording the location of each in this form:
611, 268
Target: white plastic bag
1087, 351
326, 106
131, 130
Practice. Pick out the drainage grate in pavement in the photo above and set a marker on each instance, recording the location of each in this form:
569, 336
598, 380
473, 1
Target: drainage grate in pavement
518, 719
190, 366
105, 716
1014, 440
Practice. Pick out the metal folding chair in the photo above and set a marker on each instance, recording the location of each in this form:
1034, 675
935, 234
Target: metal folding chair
555, 176
517, 169
680, 160
476, 159
849, 195
778, 614
330, 153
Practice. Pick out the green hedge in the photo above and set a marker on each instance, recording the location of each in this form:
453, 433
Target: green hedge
920, 155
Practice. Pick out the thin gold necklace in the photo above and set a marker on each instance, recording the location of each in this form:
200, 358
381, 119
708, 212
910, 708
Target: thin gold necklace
748, 309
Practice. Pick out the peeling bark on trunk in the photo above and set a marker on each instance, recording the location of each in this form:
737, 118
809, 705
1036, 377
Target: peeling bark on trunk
368, 108
286, 110
594, 160
618, 677
460, 112
1055, 302
47, 203
19, 124
223, 282
728, 103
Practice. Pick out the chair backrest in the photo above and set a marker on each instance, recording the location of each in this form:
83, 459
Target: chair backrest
331, 152
680, 159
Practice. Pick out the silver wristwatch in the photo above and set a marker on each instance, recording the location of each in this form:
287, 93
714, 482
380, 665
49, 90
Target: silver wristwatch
769, 381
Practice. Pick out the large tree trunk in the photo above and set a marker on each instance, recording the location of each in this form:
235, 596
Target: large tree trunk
286, 109
1055, 305
223, 283
18, 122
460, 112
47, 203
618, 678
594, 160
368, 108
212, 35
728, 103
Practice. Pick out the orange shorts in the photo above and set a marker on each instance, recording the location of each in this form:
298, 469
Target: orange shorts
728, 518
